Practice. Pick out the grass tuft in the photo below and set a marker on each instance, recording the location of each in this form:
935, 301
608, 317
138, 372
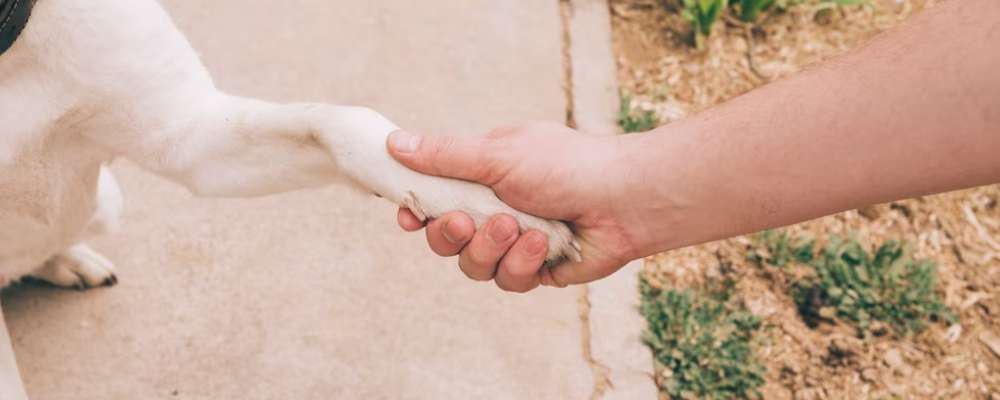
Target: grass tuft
887, 286
871, 291
778, 249
702, 15
633, 121
702, 345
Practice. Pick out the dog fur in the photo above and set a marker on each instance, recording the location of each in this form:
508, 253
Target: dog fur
92, 80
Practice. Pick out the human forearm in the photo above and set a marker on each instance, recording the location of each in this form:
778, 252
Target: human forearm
915, 112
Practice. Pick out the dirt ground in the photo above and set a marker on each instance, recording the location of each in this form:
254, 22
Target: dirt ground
960, 230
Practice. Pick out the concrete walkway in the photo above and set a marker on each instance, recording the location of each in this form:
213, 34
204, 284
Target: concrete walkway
316, 295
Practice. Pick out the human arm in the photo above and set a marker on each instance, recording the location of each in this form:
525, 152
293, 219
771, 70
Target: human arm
915, 112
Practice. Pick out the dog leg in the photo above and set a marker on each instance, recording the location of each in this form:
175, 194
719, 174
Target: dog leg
11, 386
107, 217
229, 146
78, 267
81, 267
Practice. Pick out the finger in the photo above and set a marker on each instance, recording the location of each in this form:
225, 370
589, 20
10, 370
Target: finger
518, 270
571, 273
459, 157
408, 221
448, 235
482, 255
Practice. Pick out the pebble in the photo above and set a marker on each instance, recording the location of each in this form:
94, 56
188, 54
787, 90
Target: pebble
870, 375
898, 364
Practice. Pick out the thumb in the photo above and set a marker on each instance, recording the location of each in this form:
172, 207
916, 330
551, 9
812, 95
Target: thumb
573, 273
448, 156
595, 266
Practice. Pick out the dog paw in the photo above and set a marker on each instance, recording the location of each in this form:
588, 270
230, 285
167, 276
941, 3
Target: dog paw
357, 139
481, 203
79, 267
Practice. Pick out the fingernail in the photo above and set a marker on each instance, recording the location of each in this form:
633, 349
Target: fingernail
451, 237
536, 244
501, 231
404, 142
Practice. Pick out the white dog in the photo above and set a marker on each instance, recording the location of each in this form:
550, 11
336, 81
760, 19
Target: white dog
90, 80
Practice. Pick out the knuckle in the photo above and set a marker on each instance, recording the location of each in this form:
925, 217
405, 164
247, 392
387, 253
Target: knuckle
442, 250
556, 281
512, 287
502, 232
518, 267
503, 285
475, 272
436, 240
480, 258
536, 245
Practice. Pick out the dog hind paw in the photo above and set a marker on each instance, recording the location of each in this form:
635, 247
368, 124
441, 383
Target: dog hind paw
78, 267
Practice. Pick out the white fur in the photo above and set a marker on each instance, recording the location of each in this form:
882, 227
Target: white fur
92, 80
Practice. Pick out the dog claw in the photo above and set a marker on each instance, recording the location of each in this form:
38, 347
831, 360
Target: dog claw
410, 202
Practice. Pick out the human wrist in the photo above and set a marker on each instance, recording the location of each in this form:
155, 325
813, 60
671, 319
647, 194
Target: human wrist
675, 192
642, 205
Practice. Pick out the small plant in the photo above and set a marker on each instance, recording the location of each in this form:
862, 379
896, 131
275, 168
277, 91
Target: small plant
751, 9
887, 286
785, 5
778, 249
632, 121
825, 4
824, 8
702, 15
701, 345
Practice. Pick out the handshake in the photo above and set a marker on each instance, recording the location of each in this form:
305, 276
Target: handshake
546, 170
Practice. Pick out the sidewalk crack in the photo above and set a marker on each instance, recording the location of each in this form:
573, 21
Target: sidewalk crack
566, 16
601, 372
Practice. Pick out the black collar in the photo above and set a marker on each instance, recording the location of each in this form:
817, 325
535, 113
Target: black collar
13, 17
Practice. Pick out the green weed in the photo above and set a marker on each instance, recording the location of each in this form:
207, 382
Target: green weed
751, 9
702, 345
632, 121
785, 5
823, 9
702, 14
888, 286
827, 4
778, 249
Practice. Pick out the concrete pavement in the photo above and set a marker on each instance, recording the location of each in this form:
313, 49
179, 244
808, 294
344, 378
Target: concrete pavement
622, 365
316, 295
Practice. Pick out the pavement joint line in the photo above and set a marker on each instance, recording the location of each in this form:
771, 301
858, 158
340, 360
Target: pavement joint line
600, 371
620, 364
566, 18
602, 380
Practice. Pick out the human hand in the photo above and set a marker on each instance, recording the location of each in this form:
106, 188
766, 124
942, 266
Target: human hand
547, 170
